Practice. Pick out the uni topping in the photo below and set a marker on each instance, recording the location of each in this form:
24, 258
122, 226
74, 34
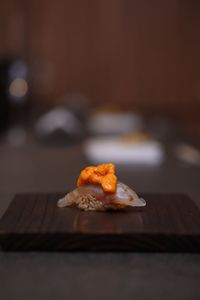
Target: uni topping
103, 175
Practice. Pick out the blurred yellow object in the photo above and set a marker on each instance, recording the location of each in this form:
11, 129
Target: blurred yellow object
137, 137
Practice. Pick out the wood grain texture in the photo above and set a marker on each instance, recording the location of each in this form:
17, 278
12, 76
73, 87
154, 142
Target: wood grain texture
169, 223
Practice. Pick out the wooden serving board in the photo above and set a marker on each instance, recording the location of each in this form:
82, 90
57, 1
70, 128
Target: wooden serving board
34, 223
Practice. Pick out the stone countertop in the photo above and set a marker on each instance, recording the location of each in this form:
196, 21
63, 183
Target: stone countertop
38, 168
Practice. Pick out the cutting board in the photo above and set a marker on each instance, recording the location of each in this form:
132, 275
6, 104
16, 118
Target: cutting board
169, 223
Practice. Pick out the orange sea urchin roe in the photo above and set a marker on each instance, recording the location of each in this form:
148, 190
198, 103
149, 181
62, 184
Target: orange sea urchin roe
102, 174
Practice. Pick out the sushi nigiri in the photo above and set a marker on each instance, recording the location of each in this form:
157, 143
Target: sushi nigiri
98, 189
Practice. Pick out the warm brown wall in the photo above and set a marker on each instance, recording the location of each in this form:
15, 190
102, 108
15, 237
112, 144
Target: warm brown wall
12, 28
137, 52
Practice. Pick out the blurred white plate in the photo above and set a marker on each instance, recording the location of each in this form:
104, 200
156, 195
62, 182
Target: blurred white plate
116, 150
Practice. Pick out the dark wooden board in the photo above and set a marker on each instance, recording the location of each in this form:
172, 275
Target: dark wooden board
168, 223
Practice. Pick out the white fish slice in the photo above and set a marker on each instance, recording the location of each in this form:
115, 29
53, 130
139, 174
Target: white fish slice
92, 197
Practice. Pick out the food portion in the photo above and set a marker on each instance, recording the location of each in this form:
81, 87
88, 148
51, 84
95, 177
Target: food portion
98, 189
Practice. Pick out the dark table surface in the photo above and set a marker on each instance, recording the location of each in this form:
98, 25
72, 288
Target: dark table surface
37, 168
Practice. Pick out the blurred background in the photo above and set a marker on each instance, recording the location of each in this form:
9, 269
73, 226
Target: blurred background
141, 55
119, 79
89, 81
